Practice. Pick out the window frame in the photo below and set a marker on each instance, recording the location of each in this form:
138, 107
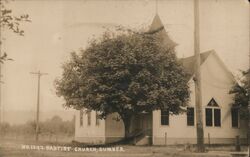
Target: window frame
81, 118
238, 117
165, 115
89, 118
97, 119
214, 120
188, 116
213, 116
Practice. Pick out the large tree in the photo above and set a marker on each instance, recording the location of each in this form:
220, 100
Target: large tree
125, 73
9, 21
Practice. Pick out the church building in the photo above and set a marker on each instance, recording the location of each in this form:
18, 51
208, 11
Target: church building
221, 120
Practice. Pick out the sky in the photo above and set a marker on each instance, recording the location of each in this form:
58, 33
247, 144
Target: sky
61, 26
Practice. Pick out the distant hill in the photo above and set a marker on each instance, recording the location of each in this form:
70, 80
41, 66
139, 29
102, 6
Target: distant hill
20, 117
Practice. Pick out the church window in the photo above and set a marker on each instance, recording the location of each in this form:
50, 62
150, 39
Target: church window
209, 117
217, 117
213, 114
190, 116
164, 117
235, 117
81, 117
97, 119
89, 117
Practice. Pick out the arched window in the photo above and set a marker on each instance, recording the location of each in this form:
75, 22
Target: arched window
213, 114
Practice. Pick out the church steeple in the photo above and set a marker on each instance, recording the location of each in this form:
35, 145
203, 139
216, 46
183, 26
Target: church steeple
156, 23
158, 28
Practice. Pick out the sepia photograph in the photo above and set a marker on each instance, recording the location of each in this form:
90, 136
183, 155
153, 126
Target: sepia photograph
124, 78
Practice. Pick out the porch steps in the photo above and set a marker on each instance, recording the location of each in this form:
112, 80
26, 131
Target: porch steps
146, 140
143, 137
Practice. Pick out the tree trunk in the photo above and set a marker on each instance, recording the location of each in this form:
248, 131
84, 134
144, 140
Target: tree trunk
127, 122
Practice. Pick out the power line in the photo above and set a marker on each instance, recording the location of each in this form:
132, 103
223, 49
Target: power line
39, 74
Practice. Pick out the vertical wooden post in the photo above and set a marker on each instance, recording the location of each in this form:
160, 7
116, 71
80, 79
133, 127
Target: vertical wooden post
38, 106
248, 139
209, 142
197, 80
135, 140
166, 135
237, 143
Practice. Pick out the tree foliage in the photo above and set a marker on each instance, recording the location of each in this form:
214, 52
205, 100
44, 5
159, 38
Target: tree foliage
241, 92
54, 126
125, 73
10, 22
57, 126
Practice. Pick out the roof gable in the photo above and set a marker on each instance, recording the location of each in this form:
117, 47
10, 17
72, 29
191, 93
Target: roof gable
189, 62
157, 28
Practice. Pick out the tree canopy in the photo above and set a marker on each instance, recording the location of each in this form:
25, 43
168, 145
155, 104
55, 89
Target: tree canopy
241, 92
125, 73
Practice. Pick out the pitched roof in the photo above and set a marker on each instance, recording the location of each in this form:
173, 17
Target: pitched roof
189, 62
158, 28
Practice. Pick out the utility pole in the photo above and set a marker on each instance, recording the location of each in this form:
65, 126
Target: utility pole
1, 107
1, 111
39, 74
249, 91
197, 80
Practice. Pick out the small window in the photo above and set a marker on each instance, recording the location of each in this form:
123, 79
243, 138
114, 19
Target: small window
217, 117
164, 117
81, 117
190, 116
97, 119
212, 103
89, 117
209, 117
235, 117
